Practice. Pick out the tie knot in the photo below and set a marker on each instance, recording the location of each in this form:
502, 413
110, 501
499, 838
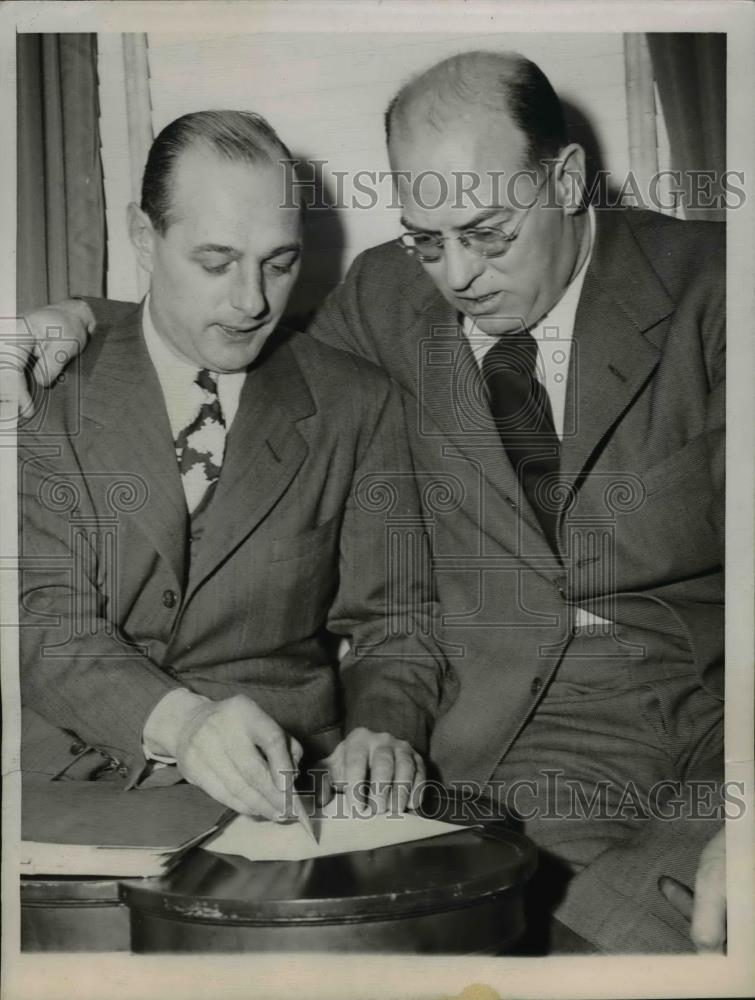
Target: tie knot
515, 352
207, 380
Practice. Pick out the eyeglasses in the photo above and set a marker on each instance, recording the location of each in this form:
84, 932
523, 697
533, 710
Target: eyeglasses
485, 241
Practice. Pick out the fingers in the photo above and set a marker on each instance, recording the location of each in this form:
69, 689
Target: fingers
239, 755
252, 770
43, 343
383, 769
14, 357
323, 786
51, 358
296, 749
409, 778
706, 907
273, 742
229, 779
708, 929
53, 335
680, 897
420, 779
356, 760
376, 770
228, 787
15, 398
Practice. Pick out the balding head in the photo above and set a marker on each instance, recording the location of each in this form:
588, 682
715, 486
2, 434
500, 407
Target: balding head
477, 145
475, 84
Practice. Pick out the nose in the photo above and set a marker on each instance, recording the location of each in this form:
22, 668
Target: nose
248, 293
462, 265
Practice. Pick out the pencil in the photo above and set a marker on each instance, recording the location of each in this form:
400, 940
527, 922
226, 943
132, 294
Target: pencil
301, 815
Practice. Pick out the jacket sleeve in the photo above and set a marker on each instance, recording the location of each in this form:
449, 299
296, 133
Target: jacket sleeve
395, 677
342, 319
75, 670
109, 312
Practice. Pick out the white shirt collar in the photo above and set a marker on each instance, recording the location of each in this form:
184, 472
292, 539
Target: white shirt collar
176, 376
554, 334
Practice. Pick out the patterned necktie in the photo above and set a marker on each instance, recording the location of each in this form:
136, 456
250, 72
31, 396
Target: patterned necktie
200, 445
521, 409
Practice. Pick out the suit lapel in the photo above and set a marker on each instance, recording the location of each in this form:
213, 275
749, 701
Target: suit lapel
613, 354
264, 450
121, 396
452, 399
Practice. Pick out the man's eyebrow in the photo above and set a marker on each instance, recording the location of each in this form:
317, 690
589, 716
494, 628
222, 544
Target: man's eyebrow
237, 254
482, 216
287, 248
218, 248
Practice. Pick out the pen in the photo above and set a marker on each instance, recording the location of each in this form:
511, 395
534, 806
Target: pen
297, 808
301, 815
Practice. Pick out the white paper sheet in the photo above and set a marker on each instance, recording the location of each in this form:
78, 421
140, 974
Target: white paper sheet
336, 832
90, 860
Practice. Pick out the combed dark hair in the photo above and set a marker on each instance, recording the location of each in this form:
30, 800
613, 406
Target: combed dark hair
236, 135
500, 81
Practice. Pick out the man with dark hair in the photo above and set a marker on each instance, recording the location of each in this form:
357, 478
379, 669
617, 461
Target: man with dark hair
192, 536
564, 375
238, 136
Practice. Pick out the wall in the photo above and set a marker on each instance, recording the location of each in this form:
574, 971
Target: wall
326, 95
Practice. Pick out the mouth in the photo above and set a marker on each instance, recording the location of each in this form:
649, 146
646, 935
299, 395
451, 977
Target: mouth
239, 332
480, 305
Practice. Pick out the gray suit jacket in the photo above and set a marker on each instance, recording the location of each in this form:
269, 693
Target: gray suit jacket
641, 535
642, 494
119, 603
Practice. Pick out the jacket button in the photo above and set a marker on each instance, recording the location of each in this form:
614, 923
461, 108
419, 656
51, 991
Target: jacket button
77, 747
536, 685
169, 598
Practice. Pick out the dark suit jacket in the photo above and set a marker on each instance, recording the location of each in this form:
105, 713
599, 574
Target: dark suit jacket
119, 605
643, 457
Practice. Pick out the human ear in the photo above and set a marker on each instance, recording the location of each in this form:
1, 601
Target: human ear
142, 235
570, 178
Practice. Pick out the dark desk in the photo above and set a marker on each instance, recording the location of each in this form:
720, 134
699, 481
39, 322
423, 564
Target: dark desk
72, 914
459, 893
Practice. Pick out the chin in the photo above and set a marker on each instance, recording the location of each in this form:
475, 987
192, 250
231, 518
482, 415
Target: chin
497, 326
234, 357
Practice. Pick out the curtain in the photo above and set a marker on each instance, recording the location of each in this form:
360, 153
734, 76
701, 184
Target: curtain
61, 214
690, 72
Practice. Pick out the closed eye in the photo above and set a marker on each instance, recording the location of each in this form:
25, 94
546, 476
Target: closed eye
214, 261
488, 234
282, 265
217, 268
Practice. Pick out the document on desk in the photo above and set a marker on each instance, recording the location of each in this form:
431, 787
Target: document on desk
97, 828
336, 833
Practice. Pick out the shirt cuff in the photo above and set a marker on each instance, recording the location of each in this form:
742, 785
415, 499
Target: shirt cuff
165, 720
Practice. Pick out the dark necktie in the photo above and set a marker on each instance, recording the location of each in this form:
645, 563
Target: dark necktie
200, 445
521, 409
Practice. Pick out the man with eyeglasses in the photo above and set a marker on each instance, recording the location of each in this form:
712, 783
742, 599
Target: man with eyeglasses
563, 371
